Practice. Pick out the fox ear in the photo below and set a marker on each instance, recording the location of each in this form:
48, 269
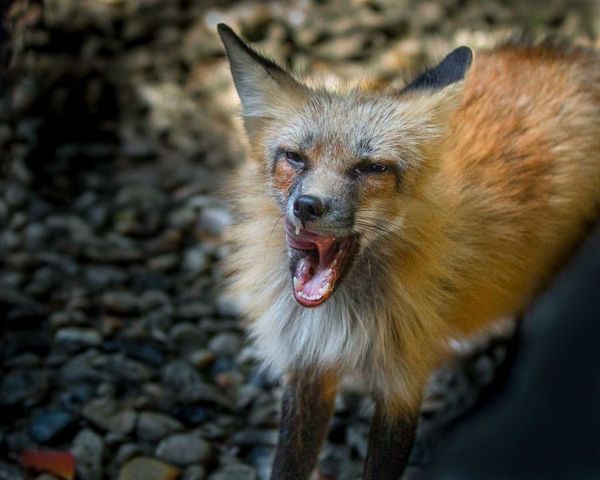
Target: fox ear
262, 85
450, 70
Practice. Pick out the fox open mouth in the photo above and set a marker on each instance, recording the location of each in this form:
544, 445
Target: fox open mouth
317, 263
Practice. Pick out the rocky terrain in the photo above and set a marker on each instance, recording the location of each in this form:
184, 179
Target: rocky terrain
117, 127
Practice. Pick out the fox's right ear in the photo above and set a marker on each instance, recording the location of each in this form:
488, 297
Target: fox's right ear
263, 86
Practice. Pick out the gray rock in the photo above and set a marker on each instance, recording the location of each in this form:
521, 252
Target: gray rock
120, 301
187, 337
104, 276
153, 426
88, 450
11, 472
201, 358
88, 366
48, 426
188, 386
195, 261
228, 306
226, 344
195, 472
184, 449
194, 311
252, 437
214, 220
106, 413
234, 472
128, 371
24, 387
79, 336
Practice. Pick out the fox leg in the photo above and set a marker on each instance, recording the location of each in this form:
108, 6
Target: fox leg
308, 402
390, 441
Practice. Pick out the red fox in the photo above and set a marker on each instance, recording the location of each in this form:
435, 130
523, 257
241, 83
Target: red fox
374, 226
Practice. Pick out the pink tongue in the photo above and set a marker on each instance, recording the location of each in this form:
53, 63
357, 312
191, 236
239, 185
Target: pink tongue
313, 271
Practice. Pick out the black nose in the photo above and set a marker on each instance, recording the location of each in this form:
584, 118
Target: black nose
308, 208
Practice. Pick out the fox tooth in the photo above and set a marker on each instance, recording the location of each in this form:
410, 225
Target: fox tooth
297, 230
295, 280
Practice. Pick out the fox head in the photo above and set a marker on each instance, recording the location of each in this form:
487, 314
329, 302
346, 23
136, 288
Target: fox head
344, 167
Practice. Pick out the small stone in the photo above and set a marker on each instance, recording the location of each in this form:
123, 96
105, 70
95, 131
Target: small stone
49, 426
234, 472
226, 344
195, 261
104, 276
166, 262
145, 352
252, 437
153, 426
78, 336
128, 451
119, 301
106, 414
214, 220
187, 337
11, 472
195, 472
76, 396
24, 387
184, 449
88, 450
187, 384
201, 359
146, 468
228, 305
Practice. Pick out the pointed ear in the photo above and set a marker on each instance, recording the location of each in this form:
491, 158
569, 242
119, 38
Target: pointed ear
450, 70
263, 86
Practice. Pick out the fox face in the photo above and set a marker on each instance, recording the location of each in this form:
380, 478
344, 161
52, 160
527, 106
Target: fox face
344, 167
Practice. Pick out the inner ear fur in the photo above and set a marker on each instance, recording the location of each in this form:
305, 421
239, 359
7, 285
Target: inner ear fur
264, 87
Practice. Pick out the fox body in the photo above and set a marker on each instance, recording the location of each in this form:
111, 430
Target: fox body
376, 225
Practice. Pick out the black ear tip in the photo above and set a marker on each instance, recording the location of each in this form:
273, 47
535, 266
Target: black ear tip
465, 54
224, 29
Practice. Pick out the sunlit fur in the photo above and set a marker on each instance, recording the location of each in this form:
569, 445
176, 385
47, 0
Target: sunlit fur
501, 176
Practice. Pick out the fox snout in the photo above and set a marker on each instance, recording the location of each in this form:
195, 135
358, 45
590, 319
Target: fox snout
307, 208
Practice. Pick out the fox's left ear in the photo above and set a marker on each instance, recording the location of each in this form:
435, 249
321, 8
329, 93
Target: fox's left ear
263, 86
439, 90
450, 70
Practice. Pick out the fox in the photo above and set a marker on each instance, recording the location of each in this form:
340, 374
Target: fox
373, 225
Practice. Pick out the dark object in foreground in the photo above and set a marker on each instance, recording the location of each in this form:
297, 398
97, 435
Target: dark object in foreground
546, 422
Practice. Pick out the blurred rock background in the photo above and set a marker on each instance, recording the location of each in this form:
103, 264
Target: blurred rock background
118, 123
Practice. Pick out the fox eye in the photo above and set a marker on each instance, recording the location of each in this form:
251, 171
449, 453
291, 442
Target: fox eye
371, 168
294, 158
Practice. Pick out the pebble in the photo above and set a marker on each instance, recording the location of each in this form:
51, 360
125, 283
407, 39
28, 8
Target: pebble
11, 472
226, 344
106, 413
79, 336
88, 450
119, 301
153, 426
187, 337
146, 468
50, 426
195, 472
184, 449
234, 472
195, 261
24, 387
188, 385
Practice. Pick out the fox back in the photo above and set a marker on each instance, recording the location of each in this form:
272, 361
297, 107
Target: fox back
373, 226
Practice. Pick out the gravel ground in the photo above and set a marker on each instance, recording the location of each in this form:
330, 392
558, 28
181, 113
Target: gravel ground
117, 127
